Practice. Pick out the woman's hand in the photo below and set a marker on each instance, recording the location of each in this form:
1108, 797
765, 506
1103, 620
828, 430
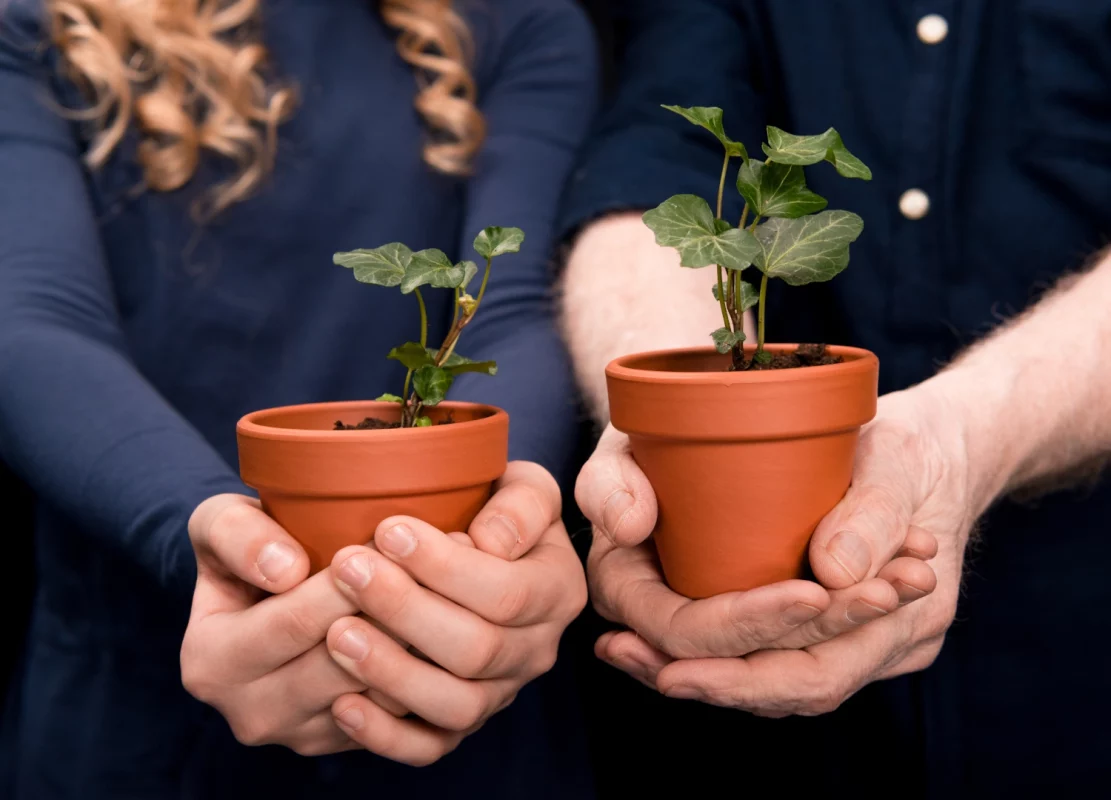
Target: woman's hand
628, 587
261, 660
484, 611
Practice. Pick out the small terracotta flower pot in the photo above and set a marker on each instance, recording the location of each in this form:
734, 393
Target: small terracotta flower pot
331, 489
744, 464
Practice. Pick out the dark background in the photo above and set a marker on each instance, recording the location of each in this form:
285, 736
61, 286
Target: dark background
641, 743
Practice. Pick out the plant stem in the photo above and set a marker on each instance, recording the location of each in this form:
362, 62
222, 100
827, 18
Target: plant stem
455, 308
721, 183
452, 338
423, 319
721, 300
760, 316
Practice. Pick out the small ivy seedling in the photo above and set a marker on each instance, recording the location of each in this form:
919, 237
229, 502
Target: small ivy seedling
431, 371
799, 241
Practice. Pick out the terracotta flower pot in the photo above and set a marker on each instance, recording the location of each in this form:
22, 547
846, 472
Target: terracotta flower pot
744, 464
330, 489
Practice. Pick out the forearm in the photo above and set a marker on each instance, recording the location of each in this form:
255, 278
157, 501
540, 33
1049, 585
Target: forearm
1035, 396
622, 293
96, 443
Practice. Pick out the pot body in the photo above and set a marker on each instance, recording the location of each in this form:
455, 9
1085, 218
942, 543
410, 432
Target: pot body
744, 464
330, 489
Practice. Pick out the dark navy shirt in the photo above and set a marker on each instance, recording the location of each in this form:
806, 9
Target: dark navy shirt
1004, 123
132, 339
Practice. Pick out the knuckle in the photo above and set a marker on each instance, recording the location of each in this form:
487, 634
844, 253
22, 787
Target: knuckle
469, 712
196, 677
512, 603
296, 626
545, 659
251, 731
481, 659
229, 521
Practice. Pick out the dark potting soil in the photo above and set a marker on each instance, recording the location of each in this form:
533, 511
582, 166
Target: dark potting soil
379, 424
807, 355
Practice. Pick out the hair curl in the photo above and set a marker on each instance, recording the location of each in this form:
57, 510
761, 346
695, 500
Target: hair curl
190, 75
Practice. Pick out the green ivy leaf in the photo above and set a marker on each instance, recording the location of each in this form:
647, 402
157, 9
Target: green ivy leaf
686, 223
710, 118
763, 357
433, 268
725, 339
382, 266
777, 190
457, 364
496, 241
413, 355
749, 295
388, 398
809, 249
786, 148
422, 422
431, 384
470, 269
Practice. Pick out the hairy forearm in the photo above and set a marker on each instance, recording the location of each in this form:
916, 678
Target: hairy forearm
622, 293
1035, 396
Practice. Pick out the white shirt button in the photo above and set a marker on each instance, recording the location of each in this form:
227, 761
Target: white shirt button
914, 204
933, 28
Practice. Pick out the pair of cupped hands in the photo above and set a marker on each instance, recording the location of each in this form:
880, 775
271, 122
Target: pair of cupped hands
409, 644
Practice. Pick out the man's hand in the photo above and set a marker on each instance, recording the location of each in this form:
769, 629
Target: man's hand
909, 498
261, 660
485, 611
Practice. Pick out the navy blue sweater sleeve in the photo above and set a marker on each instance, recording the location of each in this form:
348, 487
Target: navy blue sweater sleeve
77, 421
676, 52
537, 110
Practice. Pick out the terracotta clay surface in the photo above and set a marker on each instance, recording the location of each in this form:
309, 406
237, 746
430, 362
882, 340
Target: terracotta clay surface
744, 464
330, 489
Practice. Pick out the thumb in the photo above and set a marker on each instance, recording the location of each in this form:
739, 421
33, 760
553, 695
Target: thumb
614, 494
869, 526
233, 538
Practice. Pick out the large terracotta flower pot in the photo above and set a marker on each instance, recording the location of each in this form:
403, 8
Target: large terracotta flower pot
331, 489
744, 464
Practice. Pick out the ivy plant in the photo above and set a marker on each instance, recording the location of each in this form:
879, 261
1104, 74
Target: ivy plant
431, 370
785, 229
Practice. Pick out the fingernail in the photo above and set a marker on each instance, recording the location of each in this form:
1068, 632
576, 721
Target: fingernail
613, 514
397, 541
683, 693
274, 560
860, 612
352, 719
353, 644
852, 553
505, 531
356, 571
906, 590
800, 613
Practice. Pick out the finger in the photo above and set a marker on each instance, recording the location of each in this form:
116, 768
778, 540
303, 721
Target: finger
629, 653
547, 583
848, 610
408, 741
633, 593
868, 526
431, 693
807, 682
303, 688
450, 635
525, 503
920, 544
233, 537
320, 736
276, 630
912, 578
614, 494
461, 538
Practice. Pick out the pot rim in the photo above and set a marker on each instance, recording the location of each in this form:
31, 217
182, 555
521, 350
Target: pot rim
252, 425
859, 361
